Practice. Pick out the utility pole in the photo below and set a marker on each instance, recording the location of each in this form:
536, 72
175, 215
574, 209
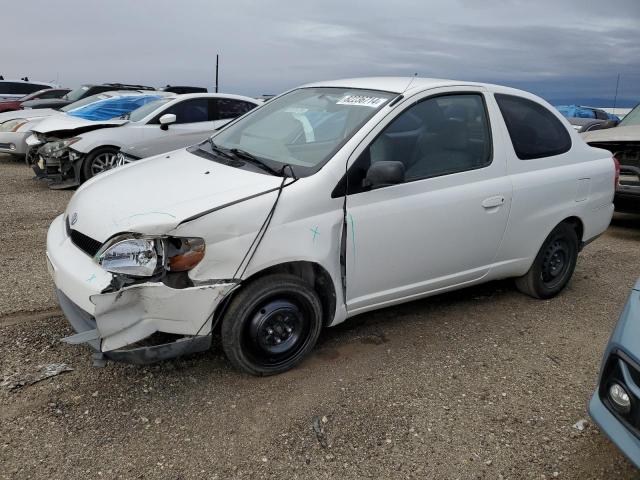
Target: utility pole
615, 98
217, 59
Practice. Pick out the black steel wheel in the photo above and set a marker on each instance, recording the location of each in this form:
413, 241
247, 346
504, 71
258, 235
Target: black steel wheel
271, 325
553, 266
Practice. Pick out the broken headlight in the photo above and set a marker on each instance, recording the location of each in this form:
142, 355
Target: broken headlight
57, 148
131, 256
145, 257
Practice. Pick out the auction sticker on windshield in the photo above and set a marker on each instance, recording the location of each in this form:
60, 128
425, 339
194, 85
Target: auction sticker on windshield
361, 100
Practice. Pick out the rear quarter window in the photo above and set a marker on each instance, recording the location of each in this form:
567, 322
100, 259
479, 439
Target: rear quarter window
535, 132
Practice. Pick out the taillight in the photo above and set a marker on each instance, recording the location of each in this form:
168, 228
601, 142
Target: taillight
616, 178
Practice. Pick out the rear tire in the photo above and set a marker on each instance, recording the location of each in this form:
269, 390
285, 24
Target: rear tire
98, 161
271, 325
553, 266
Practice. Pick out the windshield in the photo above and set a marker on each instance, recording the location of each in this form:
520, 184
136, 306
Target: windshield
74, 95
139, 113
631, 118
302, 128
84, 101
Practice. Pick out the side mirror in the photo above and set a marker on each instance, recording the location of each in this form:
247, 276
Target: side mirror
383, 174
166, 120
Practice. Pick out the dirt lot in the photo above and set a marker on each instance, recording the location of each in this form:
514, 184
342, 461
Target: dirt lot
481, 383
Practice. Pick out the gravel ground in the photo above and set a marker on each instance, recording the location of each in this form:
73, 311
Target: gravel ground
480, 383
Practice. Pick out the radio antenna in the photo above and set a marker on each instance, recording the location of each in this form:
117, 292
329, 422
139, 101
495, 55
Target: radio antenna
415, 75
401, 96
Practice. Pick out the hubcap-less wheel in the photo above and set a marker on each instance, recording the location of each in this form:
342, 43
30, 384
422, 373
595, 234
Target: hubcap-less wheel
277, 331
103, 162
271, 324
555, 262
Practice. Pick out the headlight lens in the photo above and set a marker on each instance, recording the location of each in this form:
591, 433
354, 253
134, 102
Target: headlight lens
132, 256
58, 147
144, 257
12, 125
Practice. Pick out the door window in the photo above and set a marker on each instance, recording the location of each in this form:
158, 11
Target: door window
437, 136
535, 132
189, 111
228, 108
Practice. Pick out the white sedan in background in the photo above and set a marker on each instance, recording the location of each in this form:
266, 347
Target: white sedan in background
74, 156
17, 126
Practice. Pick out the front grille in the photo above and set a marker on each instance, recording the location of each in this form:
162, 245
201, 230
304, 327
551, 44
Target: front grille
85, 243
627, 153
6, 146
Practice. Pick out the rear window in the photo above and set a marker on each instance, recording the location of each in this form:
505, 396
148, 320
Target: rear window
535, 132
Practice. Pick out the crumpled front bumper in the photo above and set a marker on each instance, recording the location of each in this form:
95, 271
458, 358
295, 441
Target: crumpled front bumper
122, 323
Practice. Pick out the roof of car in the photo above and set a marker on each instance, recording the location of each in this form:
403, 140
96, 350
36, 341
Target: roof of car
402, 84
212, 95
30, 82
127, 93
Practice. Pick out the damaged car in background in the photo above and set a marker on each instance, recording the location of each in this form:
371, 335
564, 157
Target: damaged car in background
302, 213
75, 154
623, 142
80, 93
16, 126
52, 136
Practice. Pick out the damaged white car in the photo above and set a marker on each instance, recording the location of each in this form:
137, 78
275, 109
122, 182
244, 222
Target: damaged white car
328, 201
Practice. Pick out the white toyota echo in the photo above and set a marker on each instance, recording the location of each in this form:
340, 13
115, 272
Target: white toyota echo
330, 200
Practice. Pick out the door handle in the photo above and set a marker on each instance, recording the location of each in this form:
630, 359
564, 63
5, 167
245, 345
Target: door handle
493, 202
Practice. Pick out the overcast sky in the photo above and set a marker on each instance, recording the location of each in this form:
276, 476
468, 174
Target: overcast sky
560, 49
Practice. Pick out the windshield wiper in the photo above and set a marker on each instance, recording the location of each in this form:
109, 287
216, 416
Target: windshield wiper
255, 161
216, 149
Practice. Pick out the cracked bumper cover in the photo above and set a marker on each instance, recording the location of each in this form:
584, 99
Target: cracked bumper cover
114, 322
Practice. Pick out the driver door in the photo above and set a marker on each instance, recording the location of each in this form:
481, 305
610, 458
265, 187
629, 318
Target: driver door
442, 226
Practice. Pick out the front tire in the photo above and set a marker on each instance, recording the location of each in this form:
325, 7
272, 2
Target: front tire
98, 161
553, 266
271, 325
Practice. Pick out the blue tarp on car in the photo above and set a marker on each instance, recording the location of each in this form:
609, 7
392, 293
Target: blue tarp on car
112, 107
575, 111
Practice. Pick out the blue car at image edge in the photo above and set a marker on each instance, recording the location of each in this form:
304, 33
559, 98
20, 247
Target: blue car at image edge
615, 406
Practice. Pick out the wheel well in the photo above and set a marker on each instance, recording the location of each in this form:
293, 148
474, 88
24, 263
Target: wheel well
91, 153
577, 225
312, 273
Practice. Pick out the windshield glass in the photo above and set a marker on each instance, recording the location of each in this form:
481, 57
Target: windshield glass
84, 101
302, 128
631, 118
74, 95
139, 113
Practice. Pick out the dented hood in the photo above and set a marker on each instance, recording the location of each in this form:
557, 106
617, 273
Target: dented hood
70, 123
615, 134
153, 196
